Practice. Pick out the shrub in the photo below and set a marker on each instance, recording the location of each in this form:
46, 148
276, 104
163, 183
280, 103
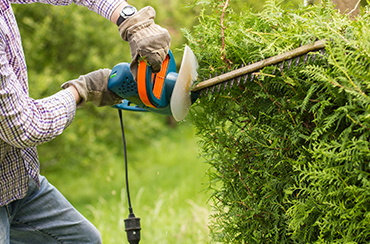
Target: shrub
289, 150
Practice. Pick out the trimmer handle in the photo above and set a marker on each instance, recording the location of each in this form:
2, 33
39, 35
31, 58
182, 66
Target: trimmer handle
122, 83
155, 89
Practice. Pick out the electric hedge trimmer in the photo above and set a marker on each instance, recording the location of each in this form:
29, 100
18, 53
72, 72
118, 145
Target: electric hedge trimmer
172, 93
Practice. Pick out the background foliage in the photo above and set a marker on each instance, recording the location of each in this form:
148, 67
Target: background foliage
289, 150
288, 153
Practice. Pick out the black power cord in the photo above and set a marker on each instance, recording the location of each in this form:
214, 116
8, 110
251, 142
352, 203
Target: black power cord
132, 223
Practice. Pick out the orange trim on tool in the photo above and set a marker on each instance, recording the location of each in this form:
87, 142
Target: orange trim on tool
141, 84
160, 77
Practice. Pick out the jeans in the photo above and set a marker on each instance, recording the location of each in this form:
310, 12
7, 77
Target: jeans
44, 216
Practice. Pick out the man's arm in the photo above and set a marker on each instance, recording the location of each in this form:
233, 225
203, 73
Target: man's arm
105, 8
26, 122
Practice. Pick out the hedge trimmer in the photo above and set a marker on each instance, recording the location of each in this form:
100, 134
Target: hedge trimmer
171, 93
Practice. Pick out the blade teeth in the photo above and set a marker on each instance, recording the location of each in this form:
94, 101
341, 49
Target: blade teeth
281, 66
240, 80
245, 78
297, 60
233, 80
219, 88
240, 77
322, 51
225, 85
206, 91
290, 63
213, 89
305, 58
201, 93
246, 75
252, 76
232, 83
313, 57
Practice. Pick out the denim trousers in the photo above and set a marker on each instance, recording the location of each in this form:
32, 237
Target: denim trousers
44, 216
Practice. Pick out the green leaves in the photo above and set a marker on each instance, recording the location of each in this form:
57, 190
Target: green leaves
289, 149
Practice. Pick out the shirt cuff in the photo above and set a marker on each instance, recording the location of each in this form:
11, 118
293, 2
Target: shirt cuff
69, 102
107, 7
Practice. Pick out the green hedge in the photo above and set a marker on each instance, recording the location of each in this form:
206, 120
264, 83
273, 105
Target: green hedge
289, 151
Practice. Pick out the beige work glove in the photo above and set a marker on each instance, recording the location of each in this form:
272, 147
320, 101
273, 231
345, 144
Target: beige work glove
93, 87
146, 39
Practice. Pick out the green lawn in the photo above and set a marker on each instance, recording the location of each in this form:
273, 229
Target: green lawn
167, 182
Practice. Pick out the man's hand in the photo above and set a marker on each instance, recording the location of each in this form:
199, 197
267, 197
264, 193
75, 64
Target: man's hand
93, 87
147, 39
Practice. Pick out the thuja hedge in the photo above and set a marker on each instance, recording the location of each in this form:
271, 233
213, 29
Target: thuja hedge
289, 151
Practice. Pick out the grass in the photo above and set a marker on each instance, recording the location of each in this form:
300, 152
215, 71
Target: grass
167, 181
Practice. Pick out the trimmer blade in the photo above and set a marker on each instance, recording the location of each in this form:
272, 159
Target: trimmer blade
180, 99
248, 72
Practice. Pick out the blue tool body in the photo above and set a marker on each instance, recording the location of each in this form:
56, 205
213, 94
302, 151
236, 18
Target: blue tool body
122, 82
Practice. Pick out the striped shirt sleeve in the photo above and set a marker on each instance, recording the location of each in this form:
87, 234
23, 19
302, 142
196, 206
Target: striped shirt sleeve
104, 8
26, 122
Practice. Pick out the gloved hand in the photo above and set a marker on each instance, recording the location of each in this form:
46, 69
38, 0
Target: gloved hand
93, 87
147, 39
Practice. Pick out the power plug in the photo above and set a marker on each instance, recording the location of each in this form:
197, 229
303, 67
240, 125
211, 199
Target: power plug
132, 227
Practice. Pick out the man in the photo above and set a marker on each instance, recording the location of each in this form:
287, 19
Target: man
32, 210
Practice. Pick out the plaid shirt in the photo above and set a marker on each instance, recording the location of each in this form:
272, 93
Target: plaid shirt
26, 122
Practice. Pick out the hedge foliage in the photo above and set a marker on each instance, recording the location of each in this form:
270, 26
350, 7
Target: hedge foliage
289, 151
